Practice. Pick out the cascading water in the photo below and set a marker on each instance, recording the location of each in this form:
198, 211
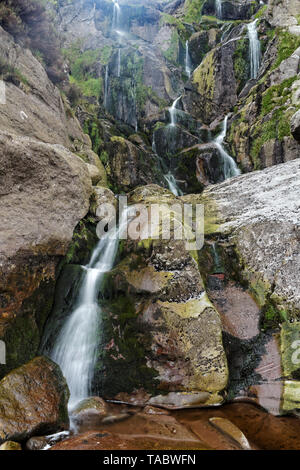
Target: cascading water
106, 87
116, 15
188, 62
168, 176
75, 349
172, 183
230, 168
219, 9
119, 63
173, 112
255, 49
216, 258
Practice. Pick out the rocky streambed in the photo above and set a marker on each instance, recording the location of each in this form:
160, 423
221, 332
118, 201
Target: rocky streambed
236, 426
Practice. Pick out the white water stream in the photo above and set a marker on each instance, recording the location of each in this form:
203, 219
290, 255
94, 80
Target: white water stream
230, 168
188, 62
76, 347
255, 50
173, 112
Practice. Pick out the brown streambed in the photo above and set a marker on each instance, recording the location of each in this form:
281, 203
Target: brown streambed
155, 429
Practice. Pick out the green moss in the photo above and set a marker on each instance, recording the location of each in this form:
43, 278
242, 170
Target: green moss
172, 21
83, 242
290, 343
10, 73
122, 367
92, 87
203, 76
241, 63
23, 334
287, 44
171, 53
105, 54
276, 96
277, 127
261, 12
82, 65
271, 317
192, 10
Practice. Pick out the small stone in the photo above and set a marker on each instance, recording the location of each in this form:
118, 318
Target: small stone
11, 445
227, 427
36, 443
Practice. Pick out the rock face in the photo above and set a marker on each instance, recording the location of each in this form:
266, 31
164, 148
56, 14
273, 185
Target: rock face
172, 341
34, 106
231, 10
267, 265
215, 84
295, 125
34, 400
45, 192
130, 166
260, 135
253, 245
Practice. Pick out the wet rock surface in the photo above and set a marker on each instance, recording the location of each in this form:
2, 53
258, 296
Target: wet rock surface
172, 327
45, 192
34, 400
238, 426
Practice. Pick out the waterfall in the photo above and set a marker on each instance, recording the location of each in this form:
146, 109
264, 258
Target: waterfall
169, 177
254, 48
106, 87
76, 346
230, 168
173, 111
172, 183
219, 8
116, 15
216, 258
119, 63
188, 63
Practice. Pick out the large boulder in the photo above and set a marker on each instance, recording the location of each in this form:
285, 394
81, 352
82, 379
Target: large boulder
283, 15
252, 249
295, 125
217, 81
201, 42
170, 140
34, 106
231, 9
139, 82
34, 401
259, 225
129, 166
160, 331
45, 191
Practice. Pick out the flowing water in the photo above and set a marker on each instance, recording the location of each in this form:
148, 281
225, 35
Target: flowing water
255, 50
106, 87
116, 15
188, 62
230, 168
76, 346
172, 183
168, 175
173, 112
119, 63
219, 9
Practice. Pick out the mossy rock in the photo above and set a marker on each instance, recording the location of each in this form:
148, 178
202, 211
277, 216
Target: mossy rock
290, 349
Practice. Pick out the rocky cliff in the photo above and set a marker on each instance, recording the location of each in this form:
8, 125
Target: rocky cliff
165, 101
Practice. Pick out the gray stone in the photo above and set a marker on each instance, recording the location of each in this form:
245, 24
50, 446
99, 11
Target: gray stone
295, 126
